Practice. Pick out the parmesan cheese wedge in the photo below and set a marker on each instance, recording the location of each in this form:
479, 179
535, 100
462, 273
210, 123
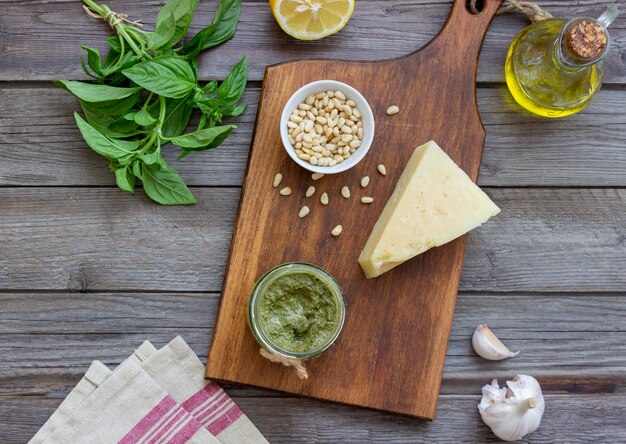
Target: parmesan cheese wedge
434, 202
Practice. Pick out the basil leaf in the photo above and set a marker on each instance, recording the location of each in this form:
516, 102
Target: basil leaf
114, 43
234, 111
151, 158
164, 185
138, 169
107, 124
89, 92
125, 179
93, 59
231, 89
182, 11
220, 30
177, 115
210, 87
203, 139
168, 76
164, 30
103, 145
144, 118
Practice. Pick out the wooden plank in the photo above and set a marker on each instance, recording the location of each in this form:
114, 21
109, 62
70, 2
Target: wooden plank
289, 420
69, 238
581, 150
47, 340
378, 29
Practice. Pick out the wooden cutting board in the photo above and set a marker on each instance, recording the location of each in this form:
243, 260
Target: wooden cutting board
391, 353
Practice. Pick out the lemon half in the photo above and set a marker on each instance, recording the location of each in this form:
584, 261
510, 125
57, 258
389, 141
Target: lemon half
312, 19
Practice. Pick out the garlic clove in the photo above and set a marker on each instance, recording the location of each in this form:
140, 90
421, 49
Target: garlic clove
488, 346
512, 412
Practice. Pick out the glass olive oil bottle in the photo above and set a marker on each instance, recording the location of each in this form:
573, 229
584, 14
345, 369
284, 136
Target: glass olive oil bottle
554, 67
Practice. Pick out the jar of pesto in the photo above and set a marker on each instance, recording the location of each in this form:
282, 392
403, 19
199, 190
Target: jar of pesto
296, 310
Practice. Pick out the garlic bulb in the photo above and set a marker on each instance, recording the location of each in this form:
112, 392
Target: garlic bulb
488, 346
512, 412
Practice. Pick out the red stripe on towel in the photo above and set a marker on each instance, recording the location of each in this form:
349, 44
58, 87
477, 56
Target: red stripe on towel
207, 402
149, 421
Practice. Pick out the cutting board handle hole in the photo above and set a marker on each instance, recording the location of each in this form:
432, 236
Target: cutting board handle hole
476, 8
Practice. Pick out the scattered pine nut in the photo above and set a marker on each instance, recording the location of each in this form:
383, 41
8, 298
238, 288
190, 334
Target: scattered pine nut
316, 176
324, 198
382, 170
392, 110
277, 179
303, 212
367, 199
345, 192
365, 181
310, 191
285, 191
337, 230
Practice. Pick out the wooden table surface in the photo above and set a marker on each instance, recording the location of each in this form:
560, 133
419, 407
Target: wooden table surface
88, 272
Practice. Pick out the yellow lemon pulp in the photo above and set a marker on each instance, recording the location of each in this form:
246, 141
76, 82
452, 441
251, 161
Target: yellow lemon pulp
312, 19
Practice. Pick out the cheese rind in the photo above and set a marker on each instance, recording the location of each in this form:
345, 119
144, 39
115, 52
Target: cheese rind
433, 203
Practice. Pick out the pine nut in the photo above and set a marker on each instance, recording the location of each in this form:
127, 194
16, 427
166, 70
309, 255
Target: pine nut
310, 191
319, 129
291, 139
316, 176
310, 99
365, 181
324, 198
331, 162
345, 192
330, 94
355, 143
338, 158
303, 212
346, 129
367, 199
347, 109
313, 160
392, 110
382, 170
285, 191
277, 179
359, 133
304, 156
314, 111
356, 113
308, 126
320, 95
304, 106
340, 95
321, 120
337, 230
296, 119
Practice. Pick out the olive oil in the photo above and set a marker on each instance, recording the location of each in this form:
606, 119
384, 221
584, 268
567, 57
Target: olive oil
550, 71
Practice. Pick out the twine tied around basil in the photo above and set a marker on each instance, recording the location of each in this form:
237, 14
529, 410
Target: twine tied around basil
112, 18
529, 9
297, 364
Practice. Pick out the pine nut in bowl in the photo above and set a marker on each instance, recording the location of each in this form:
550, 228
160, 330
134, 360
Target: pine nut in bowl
327, 127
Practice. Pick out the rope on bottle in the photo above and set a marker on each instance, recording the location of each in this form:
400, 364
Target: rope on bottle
530, 9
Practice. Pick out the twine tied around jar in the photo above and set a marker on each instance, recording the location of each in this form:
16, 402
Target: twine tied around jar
529, 9
297, 364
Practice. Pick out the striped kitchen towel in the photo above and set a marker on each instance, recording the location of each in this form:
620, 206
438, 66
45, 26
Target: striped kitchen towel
177, 369
156, 396
128, 407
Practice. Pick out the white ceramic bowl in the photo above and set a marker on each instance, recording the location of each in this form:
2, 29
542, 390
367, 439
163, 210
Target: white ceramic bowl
367, 117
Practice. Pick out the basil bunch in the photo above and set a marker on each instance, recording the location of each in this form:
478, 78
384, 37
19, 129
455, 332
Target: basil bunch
146, 89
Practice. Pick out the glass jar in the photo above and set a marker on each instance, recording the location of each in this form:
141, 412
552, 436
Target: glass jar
259, 324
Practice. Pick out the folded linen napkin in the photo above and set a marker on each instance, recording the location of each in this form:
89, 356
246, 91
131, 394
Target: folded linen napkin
129, 407
177, 369
96, 375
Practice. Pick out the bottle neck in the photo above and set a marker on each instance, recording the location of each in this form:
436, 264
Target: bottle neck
567, 51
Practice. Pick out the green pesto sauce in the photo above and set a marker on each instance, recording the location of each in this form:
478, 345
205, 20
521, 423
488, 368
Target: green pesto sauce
298, 312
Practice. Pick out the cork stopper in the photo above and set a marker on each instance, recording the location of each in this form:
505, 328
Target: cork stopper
587, 39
